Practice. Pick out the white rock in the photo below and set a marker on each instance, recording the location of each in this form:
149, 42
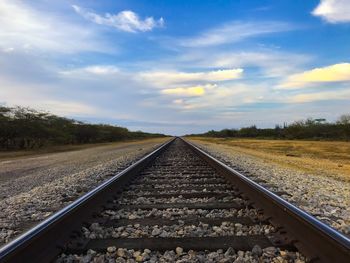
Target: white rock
179, 250
111, 249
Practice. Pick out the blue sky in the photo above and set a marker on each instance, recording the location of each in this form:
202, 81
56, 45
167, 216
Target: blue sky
177, 66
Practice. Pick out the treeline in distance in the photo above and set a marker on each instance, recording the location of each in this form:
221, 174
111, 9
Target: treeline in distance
314, 129
25, 128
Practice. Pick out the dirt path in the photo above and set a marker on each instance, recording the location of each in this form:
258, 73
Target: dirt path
22, 174
33, 188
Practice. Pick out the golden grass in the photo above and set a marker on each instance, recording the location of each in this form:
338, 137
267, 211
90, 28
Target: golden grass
321, 157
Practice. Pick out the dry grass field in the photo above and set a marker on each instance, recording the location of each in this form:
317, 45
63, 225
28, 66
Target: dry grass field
328, 157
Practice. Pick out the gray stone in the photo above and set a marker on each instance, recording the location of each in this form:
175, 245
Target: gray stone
121, 252
156, 232
270, 251
257, 251
229, 252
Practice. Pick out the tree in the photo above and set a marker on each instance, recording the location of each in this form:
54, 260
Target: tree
344, 119
25, 128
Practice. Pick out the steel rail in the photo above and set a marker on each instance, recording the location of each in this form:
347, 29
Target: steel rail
315, 239
35, 245
45, 241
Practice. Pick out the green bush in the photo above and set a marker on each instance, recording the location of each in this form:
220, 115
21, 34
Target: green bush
315, 129
24, 128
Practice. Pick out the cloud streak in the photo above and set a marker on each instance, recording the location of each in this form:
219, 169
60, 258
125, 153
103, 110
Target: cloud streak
24, 28
271, 63
321, 96
127, 20
223, 75
234, 32
99, 70
334, 73
189, 91
37, 96
166, 78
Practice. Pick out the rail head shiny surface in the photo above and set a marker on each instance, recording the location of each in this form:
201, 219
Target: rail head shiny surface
28, 236
340, 239
330, 240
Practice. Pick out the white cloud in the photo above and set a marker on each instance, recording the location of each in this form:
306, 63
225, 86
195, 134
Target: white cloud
333, 11
65, 107
186, 87
166, 78
231, 95
218, 98
234, 32
191, 91
178, 101
271, 63
94, 70
188, 91
38, 97
8, 50
102, 70
25, 28
125, 20
334, 73
319, 96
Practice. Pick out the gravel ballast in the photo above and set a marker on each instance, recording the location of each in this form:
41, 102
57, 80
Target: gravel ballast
130, 217
324, 197
120, 255
177, 230
179, 199
176, 213
34, 188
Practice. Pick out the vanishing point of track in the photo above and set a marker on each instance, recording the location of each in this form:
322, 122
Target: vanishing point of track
194, 189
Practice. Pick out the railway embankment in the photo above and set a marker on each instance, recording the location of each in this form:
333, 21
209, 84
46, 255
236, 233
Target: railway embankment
33, 188
322, 192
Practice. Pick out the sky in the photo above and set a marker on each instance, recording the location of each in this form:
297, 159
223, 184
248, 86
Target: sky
177, 67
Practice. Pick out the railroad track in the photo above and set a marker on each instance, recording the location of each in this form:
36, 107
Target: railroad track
179, 203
